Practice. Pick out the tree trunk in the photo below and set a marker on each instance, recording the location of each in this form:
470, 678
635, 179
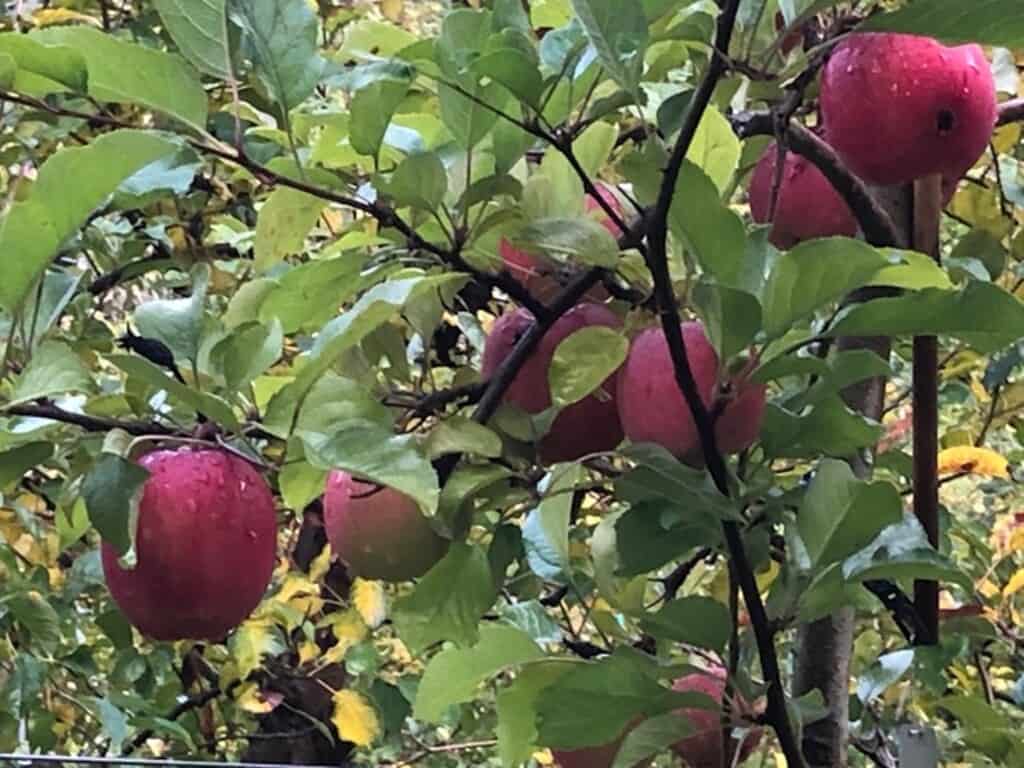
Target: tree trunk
824, 646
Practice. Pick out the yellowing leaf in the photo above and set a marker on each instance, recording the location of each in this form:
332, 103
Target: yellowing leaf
308, 651
978, 461
50, 17
355, 719
369, 599
252, 699
256, 638
1015, 584
320, 565
392, 9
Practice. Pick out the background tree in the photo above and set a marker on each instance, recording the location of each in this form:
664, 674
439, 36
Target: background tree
633, 381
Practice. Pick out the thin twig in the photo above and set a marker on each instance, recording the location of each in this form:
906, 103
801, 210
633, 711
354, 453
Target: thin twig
47, 410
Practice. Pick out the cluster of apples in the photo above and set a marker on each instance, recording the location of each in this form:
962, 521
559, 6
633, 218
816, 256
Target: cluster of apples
895, 108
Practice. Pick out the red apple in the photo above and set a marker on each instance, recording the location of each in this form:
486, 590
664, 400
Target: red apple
592, 757
378, 532
703, 749
587, 426
541, 277
206, 546
900, 107
807, 204
652, 408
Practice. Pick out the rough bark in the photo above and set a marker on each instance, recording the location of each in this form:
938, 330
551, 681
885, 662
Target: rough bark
824, 647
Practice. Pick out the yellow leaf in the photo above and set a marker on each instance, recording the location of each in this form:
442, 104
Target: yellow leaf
320, 565
1006, 137
308, 651
979, 461
369, 599
1016, 584
48, 17
348, 629
300, 593
544, 757
392, 9
355, 719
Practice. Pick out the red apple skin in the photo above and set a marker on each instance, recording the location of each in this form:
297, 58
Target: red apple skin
807, 207
703, 749
652, 408
591, 757
900, 107
378, 532
539, 277
206, 547
585, 427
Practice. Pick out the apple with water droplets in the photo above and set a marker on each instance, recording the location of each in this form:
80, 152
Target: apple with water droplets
587, 426
377, 531
653, 410
206, 546
807, 206
901, 107
541, 278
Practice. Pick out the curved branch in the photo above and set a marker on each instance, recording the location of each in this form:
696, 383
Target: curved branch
47, 410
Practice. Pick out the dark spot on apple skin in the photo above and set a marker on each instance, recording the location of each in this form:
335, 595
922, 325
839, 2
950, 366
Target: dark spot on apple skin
945, 122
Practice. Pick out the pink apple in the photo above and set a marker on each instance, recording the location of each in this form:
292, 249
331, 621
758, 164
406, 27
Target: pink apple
703, 749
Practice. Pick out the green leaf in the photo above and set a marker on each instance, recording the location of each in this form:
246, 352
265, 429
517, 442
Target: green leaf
300, 484
178, 323
841, 514
814, 274
715, 149
44, 68
582, 362
698, 621
199, 28
889, 668
732, 317
546, 530
712, 231
618, 31
594, 146
372, 110
448, 602
829, 428
458, 492
649, 738
374, 453
54, 369
453, 675
580, 240
596, 701
843, 369
532, 618
913, 271
35, 614
459, 434
465, 116
982, 314
515, 70
16, 461
283, 40
306, 297
659, 476
125, 72
249, 351
376, 307
420, 181
284, 221
112, 490
988, 22
35, 228
517, 708
902, 551
210, 406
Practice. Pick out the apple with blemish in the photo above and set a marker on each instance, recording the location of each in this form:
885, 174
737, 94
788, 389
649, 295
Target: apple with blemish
901, 107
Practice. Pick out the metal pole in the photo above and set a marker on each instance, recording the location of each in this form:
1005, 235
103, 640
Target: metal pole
12, 760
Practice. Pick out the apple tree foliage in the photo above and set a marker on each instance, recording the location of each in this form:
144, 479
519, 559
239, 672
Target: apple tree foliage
274, 226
